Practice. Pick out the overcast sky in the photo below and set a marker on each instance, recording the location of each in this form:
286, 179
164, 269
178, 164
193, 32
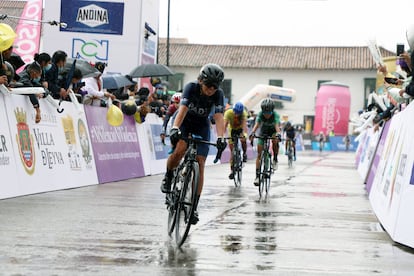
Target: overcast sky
289, 22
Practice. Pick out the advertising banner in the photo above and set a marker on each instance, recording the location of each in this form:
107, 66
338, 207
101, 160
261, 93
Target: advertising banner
161, 151
404, 227
28, 34
146, 145
92, 16
116, 149
53, 154
333, 103
368, 151
386, 187
9, 185
379, 150
109, 31
338, 144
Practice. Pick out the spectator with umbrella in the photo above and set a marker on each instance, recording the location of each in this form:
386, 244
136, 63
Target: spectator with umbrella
119, 84
151, 70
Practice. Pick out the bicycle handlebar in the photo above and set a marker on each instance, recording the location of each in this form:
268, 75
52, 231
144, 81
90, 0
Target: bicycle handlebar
265, 137
197, 139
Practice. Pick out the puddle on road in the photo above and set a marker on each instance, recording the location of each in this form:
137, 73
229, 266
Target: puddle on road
89, 259
324, 194
232, 244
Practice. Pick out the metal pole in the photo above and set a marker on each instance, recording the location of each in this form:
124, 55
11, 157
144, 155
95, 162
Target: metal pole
168, 35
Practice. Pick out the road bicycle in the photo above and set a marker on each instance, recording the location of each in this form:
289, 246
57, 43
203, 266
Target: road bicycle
266, 165
237, 159
289, 152
185, 184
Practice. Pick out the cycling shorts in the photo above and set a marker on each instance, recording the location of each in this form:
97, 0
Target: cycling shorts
201, 128
266, 132
238, 132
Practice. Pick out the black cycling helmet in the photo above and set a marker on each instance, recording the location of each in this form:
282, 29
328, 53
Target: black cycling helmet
211, 74
267, 105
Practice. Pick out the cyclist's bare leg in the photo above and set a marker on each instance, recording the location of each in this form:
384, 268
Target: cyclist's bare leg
294, 147
172, 162
231, 146
201, 162
244, 145
178, 154
259, 153
275, 148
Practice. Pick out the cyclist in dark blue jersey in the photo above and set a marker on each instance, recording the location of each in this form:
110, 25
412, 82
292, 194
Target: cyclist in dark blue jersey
197, 100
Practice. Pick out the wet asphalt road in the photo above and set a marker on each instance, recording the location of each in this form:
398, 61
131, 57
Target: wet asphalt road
316, 221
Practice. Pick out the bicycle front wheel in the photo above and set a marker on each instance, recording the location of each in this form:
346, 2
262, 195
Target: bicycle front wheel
264, 172
172, 200
186, 203
237, 168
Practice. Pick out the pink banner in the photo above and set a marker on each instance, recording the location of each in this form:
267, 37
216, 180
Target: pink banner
28, 31
333, 103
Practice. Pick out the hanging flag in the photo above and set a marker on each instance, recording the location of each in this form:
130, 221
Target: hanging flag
28, 31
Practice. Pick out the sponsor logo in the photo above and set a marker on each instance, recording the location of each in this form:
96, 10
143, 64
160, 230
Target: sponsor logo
73, 155
28, 34
84, 141
92, 16
90, 49
24, 141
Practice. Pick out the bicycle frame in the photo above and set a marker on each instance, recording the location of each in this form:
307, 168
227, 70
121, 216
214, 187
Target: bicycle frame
181, 202
289, 152
237, 163
266, 165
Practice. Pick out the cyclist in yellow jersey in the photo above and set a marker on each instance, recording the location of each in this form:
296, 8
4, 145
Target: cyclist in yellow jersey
235, 120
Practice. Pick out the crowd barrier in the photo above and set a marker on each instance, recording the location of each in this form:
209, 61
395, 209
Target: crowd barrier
385, 159
77, 147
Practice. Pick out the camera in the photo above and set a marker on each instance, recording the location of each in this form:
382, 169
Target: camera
400, 49
391, 80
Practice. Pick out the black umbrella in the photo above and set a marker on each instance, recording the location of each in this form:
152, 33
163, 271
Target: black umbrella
16, 61
87, 69
113, 81
151, 70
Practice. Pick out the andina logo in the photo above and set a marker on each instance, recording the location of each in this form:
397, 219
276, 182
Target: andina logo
92, 16
24, 141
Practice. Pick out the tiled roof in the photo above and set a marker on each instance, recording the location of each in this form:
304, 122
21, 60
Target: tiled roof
11, 8
269, 57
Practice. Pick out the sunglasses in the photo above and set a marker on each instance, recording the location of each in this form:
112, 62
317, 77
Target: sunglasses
210, 85
267, 112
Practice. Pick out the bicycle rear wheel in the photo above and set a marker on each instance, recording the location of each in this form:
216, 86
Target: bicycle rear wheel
186, 202
237, 168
